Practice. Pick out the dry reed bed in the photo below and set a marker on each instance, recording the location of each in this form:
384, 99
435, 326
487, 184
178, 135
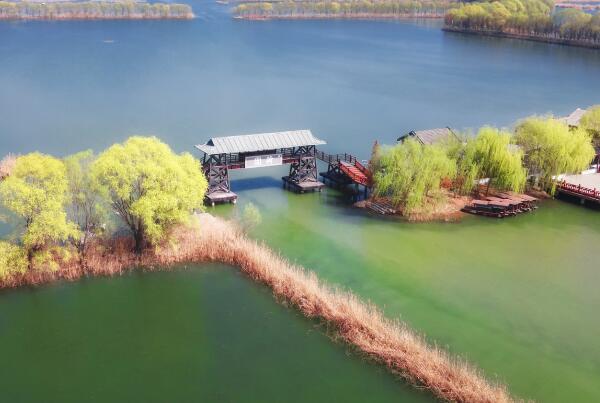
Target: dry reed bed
360, 324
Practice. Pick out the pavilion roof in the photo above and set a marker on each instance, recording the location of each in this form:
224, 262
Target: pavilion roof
574, 118
430, 136
259, 142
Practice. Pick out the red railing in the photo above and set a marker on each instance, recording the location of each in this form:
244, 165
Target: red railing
354, 173
579, 190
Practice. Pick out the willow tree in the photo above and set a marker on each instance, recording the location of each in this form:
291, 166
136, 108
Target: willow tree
410, 171
85, 205
552, 149
491, 156
149, 186
35, 193
590, 121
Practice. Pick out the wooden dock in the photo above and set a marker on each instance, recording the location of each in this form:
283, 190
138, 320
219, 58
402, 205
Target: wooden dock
220, 197
501, 205
302, 187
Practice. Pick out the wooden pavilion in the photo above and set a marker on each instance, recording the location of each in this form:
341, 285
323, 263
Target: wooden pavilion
297, 148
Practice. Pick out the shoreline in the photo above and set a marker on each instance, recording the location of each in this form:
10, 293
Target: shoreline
365, 16
532, 38
360, 324
94, 18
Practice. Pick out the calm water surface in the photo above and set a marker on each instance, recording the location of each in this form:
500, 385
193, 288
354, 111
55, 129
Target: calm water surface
517, 297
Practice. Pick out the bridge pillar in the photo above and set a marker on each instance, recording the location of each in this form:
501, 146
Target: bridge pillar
219, 190
303, 174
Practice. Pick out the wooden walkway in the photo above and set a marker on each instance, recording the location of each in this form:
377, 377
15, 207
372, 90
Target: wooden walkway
345, 169
585, 187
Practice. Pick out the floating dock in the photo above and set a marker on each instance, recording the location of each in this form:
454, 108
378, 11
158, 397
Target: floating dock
501, 205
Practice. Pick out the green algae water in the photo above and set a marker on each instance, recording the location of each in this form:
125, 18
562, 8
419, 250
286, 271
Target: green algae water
516, 297
201, 334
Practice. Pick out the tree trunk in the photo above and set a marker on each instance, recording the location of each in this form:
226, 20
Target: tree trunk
140, 242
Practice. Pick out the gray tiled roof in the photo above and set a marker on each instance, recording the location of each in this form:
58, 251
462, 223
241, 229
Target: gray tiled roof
574, 118
430, 136
259, 142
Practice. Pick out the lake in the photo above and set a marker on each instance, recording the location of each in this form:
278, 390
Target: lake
516, 297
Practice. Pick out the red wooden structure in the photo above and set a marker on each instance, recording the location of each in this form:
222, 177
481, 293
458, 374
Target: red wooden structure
579, 191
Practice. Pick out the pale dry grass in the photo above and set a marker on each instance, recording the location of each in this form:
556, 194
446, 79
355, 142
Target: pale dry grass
7, 164
360, 324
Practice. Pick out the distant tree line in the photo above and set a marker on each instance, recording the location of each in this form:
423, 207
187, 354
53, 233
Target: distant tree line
345, 8
93, 10
530, 18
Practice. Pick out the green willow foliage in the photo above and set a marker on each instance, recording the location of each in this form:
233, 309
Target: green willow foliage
591, 122
35, 192
149, 186
552, 149
345, 8
13, 259
93, 10
85, 206
532, 18
490, 155
410, 171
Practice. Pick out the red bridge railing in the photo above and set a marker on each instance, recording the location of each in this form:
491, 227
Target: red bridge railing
579, 190
349, 165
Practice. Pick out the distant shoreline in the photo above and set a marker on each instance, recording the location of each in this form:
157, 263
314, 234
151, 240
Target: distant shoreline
84, 18
362, 16
533, 38
93, 10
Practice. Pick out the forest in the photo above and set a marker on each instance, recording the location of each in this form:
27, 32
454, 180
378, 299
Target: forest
345, 9
528, 18
93, 10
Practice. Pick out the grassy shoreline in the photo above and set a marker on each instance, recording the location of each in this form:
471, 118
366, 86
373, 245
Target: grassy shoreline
360, 324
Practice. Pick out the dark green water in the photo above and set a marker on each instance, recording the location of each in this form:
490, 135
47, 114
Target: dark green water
516, 297
206, 334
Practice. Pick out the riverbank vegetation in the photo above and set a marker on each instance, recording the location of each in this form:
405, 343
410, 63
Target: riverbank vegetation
152, 192
590, 121
421, 179
530, 19
552, 149
93, 10
410, 172
345, 9
425, 182
59, 206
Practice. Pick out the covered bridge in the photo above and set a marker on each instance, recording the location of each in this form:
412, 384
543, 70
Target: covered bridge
297, 148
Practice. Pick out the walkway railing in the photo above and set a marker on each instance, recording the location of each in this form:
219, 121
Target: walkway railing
579, 190
353, 168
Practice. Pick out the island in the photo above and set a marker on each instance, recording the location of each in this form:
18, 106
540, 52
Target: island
93, 10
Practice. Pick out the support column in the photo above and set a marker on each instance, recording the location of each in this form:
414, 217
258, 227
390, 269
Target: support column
219, 190
303, 172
